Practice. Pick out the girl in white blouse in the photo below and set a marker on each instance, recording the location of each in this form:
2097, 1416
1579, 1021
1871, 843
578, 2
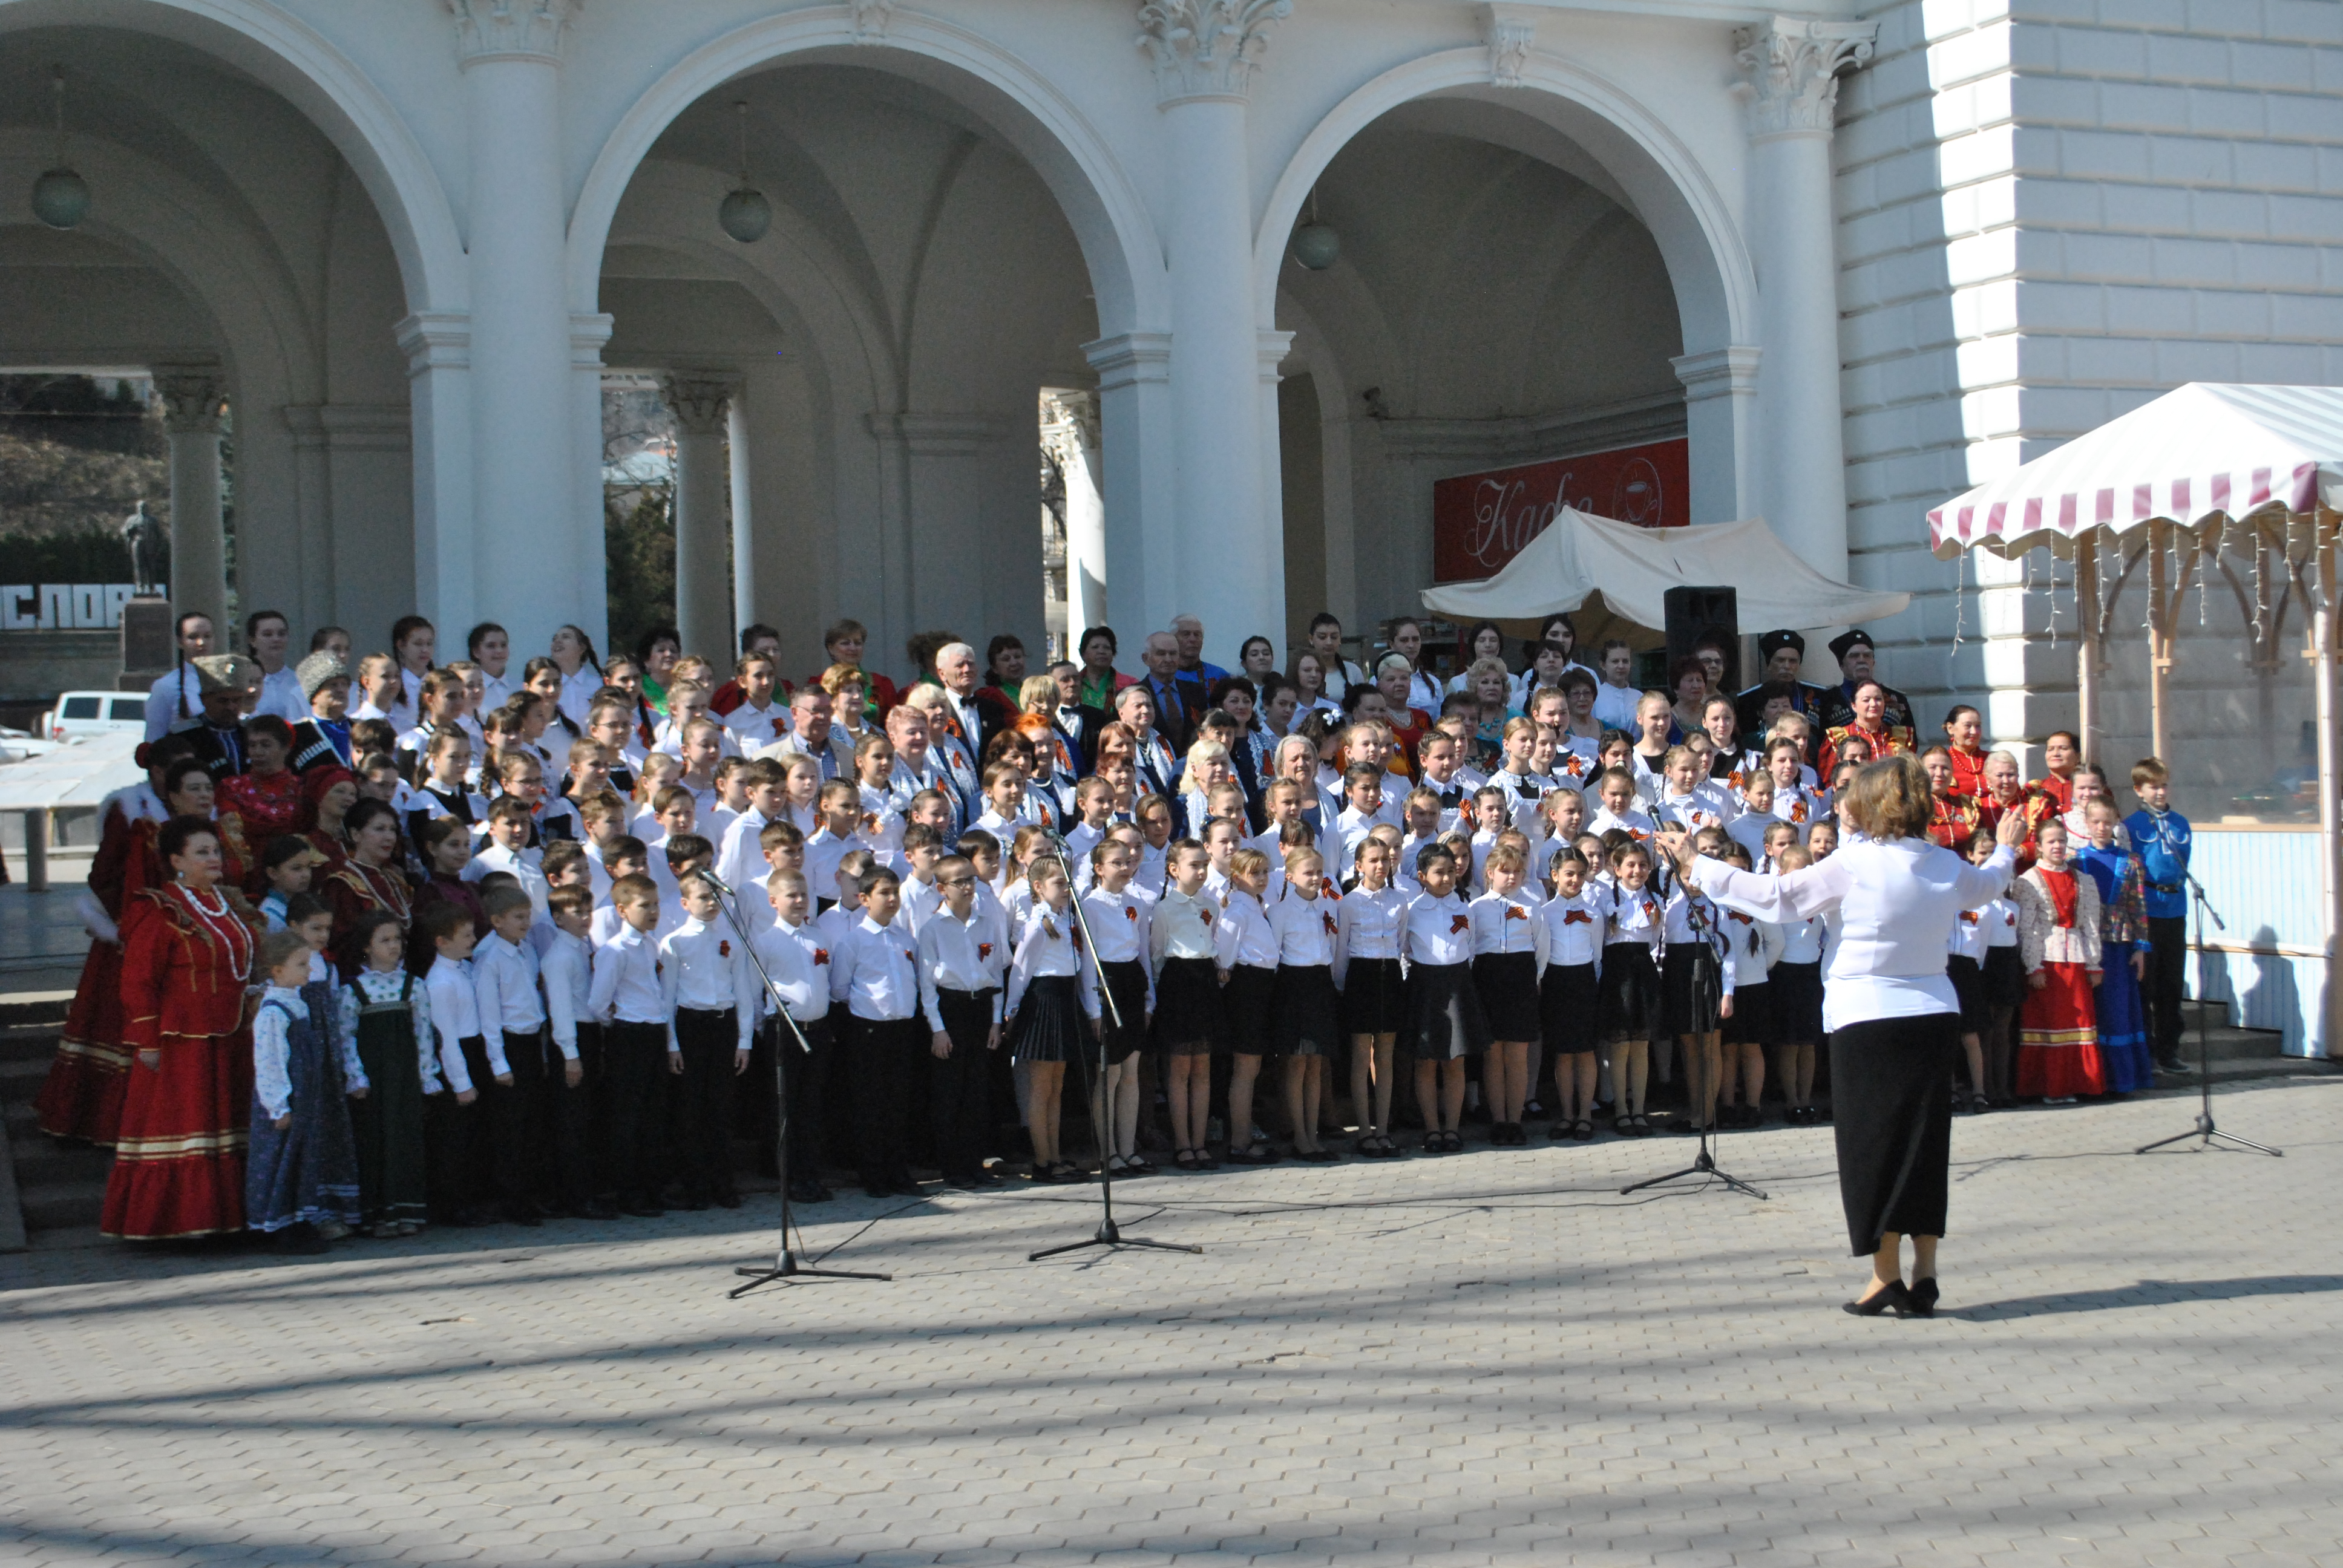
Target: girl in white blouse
1446, 1023
1374, 992
1504, 973
1304, 1023
1248, 947
1045, 1013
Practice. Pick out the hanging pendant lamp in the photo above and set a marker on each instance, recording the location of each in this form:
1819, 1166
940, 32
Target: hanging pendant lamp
60, 196
1315, 245
744, 214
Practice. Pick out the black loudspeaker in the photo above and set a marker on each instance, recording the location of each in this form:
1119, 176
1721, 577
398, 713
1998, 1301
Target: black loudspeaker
1696, 613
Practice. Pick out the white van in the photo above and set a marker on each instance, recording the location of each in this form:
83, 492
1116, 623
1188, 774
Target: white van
79, 713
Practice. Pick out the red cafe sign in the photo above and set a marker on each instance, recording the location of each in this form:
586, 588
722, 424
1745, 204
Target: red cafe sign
1481, 521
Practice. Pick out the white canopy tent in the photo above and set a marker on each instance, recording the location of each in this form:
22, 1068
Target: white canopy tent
2204, 468
1580, 553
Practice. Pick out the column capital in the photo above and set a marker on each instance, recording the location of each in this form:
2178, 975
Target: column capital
1791, 67
1070, 423
701, 399
192, 396
1207, 48
1719, 373
512, 29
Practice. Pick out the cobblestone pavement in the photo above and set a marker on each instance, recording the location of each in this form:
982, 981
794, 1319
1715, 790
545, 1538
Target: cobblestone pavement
1487, 1359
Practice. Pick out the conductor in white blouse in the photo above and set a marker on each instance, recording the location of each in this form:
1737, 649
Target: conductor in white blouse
1888, 1008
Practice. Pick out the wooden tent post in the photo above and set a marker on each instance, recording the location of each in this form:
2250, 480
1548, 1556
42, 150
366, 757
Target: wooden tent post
2330, 855
2160, 640
2087, 663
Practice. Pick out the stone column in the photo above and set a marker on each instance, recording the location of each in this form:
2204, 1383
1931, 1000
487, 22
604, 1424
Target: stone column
1792, 68
532, 528
703, 583
1230, 543
741, 475
1071, 431
193, 396
1721, 425
1135, 451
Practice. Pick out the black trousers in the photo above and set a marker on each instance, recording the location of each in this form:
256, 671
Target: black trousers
2168, 974
708, 1040
881, 1063
805, 1074
565, 1129
635, 1058
456, 1139
959, 1107
517, 1112
473, 1152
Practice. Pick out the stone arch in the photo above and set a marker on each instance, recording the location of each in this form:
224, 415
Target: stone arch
301, 65
1633, 156
1102, 204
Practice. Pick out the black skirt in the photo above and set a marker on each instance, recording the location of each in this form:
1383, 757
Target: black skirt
1968, 985
1444, 1020
1374, 996
1894, 1124
1305, 1016
1508, 985
1126, 982
1569, 1005
1752, 1023
1246, 1002
1631, 993
1692, 983
1048, 1022
2004, 978
1188, 1016
1797, 1002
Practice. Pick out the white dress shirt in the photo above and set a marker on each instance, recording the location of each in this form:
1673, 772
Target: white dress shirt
627, 983
1636, 916
1181, 926
280, 693
1367, 926
1045, 946
566, 971
706, 968
1438, 930
969, 956
875, 971
754, 728
1503, 923
1305, 928
504, 980
455, 1017
799, 965
1570, 930
1246, 939
524, 866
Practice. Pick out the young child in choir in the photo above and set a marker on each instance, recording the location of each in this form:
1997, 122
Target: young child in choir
1362, 813
709, 994
630, 1001
512, 1027
791, 951
1505, 976
658, 774
1044, 1008
629, 857
1373, 983
300, 1175
1152, 816
756, 721
508, 849
1697, 984
1568, 953
963, 955
1620, 812
1223, 836
461, 1174
1446, 1023
1633, 1009
874, 971
566, 966
1247, 952
1751, 948
286, 866
1118, 917
841, 820
385, 1013
2005, 986
1182, 945
1964, 955
1796, 800
2059, 929
1492, 812
1796, 979
1305, 1024
1822, 838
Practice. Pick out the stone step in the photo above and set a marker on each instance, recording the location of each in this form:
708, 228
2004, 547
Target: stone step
61, 1205
23, 1007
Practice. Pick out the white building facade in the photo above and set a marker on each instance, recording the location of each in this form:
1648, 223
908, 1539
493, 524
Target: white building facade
1858, 257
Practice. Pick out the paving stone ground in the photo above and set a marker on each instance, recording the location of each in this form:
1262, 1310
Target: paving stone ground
1491, 1358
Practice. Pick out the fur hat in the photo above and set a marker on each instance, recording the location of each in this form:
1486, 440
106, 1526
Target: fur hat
225, 672
316, 670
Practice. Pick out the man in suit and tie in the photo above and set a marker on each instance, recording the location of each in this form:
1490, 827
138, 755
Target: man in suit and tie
1075, 720
1158, 764
955, 672
1176, 708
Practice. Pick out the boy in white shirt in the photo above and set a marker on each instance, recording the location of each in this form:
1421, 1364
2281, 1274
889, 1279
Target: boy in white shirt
630, 1001
758, 720
875, 971
841, 819
566, 967
461, 1151
793, 955
710, 994
741, 859
508, 850
512, 1027
963, 955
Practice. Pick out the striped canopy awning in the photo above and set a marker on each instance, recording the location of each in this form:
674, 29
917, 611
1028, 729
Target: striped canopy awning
2201, 453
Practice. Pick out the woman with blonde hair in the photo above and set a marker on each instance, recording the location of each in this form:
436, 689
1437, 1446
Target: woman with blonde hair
1890, 1010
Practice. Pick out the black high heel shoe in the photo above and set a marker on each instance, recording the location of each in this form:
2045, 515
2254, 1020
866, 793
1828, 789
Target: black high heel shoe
1895, 1297
1923, 1297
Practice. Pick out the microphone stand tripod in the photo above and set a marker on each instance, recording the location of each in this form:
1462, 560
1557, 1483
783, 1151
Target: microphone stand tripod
2204, 1129
786, 1266
1108, 1234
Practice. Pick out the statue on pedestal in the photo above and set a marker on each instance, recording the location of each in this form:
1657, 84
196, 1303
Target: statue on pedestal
145, 536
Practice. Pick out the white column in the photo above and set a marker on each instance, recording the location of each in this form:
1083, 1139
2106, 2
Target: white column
591, 569
1072, 434
744, 515
1230, 546
192, 397
535, 538
1720, 428
438, 346
703, 584
1140, 547
1793, 68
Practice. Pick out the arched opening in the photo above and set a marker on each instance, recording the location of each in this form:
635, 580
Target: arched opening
1525, 272
945, 245
233, 248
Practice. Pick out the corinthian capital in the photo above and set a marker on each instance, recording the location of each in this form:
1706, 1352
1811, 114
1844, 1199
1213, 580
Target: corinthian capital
192, 396
700, 400
493, 29
1793, 66
1207, 48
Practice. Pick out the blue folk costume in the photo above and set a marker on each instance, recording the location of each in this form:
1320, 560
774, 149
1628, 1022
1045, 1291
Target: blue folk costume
2123, 913
307, 1173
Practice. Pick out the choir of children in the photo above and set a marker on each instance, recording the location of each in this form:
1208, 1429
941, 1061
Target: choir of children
483, 996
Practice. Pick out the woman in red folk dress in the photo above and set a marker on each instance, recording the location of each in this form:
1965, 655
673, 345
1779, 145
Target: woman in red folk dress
1954, 818
1964, 744
2058, 936
368, 879
186, 958
265, 800
327, 794
82, 1098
